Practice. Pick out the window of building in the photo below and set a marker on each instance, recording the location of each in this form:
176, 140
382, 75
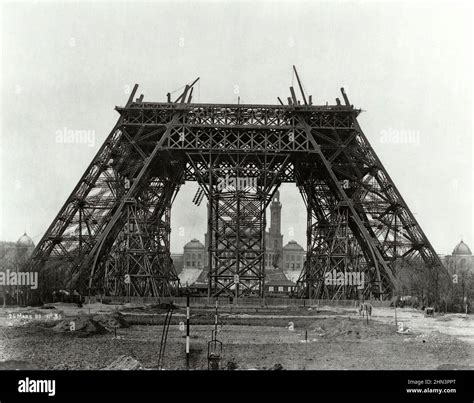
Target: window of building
275, 243
297, 265
280, 289
194, 263
298, 258
194, 256
287, 265
292, 258
188, 263
270, 288
199, 256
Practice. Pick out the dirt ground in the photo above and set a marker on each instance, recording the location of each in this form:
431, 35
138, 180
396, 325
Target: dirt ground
106, 336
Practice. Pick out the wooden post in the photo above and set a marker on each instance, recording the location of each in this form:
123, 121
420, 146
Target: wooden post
299, 84
396, 321
187, 331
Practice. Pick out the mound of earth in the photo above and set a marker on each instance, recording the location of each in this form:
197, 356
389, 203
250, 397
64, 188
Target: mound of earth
351, 328
112, 321
437, 338
80, 326
124, 362
47, 306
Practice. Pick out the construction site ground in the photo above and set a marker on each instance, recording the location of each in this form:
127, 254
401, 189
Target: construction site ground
128, 337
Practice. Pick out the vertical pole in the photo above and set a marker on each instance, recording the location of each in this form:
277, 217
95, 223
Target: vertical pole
215, 320
299, 84
210, 236
237, 251
396, 322
187, 331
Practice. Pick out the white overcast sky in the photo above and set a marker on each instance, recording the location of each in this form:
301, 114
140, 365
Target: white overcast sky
408, 65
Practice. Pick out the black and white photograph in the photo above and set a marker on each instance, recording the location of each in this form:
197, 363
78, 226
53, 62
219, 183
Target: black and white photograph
193, 190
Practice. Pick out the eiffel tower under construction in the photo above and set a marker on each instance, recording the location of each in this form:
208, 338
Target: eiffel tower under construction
112, 236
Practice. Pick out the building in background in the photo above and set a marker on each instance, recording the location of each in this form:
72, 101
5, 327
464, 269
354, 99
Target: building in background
294, 256
13, 257
274, 237
277, 283
13, 254
193, 252
460, 265
461, 260
285, 261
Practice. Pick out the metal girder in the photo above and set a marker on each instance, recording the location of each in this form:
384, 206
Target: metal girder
239, 188
379, 220
116, 221
139, 262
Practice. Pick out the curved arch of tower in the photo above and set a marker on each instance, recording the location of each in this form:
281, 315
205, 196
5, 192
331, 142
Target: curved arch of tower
113, 233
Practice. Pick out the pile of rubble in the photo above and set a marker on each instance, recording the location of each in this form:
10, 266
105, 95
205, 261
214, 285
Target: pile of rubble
84, 326
437, 339
112, 321
350, 328
81, 326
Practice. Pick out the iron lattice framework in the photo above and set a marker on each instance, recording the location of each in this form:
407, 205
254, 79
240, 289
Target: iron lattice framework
113, 233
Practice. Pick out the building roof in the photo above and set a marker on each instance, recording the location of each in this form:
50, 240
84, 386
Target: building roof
461, 249
278, 279
293, 246
202, 280
194, 244
25, 240
293, 275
